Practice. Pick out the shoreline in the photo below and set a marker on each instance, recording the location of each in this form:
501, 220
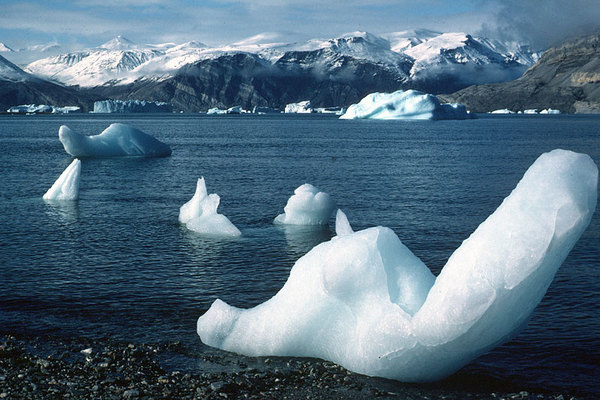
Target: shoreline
48, 367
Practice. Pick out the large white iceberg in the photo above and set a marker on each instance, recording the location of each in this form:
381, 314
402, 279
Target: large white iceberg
132, 106
66, 186
302, 107
117, 140
364, 301
307, 206
200, 214
409, 104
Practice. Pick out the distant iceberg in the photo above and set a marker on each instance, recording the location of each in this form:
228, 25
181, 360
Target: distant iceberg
365, 301
550, 111
503, 111
42, 108
200, 214
118, 140
409, 104
66, 186
302, 107
530, 111
307, 206
132, 106
216, 111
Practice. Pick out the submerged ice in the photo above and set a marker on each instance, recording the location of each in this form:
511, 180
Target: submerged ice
307, 206
118, 140
409, 104
200, 214
66, 186
366, 302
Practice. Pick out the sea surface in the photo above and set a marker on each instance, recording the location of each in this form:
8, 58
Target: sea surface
117, 264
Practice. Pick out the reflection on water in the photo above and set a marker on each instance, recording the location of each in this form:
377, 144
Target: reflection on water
66, 212
302, 238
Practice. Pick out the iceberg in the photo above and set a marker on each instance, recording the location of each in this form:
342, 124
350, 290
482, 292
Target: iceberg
550, 111
502, 111
42, 108
409, 104
66, 186
216, 111
302, 107
530, 111
200, 214
366, 302
118, 140
307, 206
132, 106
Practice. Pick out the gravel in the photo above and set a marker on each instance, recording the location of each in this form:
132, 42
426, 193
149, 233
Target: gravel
40, 368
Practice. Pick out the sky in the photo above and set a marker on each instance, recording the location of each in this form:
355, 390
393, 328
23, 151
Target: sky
88, 23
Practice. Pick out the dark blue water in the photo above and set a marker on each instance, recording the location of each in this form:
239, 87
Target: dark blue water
117, 263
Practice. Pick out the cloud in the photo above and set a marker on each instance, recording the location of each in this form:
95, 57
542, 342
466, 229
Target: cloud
542, 23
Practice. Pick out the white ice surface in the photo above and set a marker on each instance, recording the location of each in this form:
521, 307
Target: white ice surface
66, 187
302, 107
364, 301
200, 214
307, 206
409, 104
502, 111
131, 106
118, 140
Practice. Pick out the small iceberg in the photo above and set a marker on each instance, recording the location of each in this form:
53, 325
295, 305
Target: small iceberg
200, 214
550, 111
66, 186
409, 104
118, 140
302, 107
365, 301
503, 111
307, 206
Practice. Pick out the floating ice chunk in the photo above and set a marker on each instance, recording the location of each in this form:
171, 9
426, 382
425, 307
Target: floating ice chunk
530, 111
503, 111
200, 214
550, 111
364, 301
66, 186
307, 206
216, 111
409, 104
302, 107
117, 140
342, 226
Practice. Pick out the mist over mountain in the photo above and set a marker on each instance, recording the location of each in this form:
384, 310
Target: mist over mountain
567, 78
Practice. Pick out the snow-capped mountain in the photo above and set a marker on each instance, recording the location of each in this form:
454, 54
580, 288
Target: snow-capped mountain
5, 49
112, 61
421, 56
18, 87
10, 72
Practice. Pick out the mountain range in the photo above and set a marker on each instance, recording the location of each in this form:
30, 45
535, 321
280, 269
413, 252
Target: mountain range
262, 71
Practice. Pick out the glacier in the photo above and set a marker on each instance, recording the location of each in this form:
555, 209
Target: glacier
66, 187
200, 214
118, 140
365, 301
132, 106
409, 104
307, 206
